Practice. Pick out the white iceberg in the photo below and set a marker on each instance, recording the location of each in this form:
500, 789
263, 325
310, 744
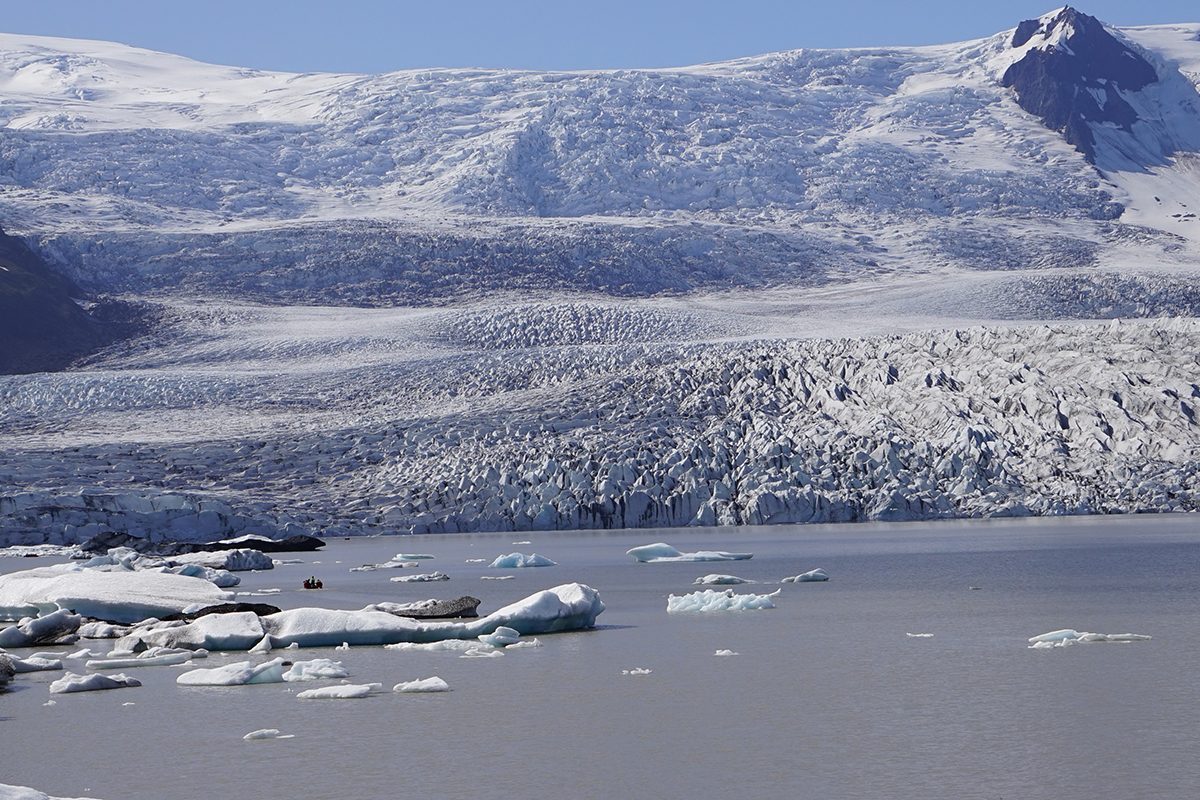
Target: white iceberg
719, 580
385, 565
501, 637
519, 560
482, 652
637, 671
434, 684
411, 556
726, 653
58, 627
919, 635
117, 596
446, 645
36, 663
317, 669
1068, 636
240, 673
71, 682
267, 733
10, 792
662, 552
812, 576
154, 657
425, 577
709, 601
569, 607
345, 692
497, 577
243, 560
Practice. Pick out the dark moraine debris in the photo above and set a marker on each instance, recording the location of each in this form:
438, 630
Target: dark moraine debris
465, 606
7, 670
299, 543
260, 609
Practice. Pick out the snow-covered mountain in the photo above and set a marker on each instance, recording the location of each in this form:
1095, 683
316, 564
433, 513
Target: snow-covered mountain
1060, 144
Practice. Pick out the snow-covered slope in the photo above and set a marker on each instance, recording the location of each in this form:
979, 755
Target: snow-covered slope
139, 171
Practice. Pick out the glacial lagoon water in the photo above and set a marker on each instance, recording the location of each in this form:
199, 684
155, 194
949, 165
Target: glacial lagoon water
827, 696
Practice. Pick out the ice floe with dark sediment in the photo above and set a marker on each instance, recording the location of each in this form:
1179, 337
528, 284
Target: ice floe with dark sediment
663, 552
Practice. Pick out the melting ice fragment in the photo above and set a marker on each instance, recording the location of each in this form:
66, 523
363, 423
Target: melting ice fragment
267, 733
813, 575
501, 637
726, 653
71, 682
719, 580
434, 684
1068, 636
346, 692
637, 671
518, 560
425, 577
662, 552
709, 601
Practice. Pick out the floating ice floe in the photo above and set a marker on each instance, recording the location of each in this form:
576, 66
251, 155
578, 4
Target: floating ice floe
475, 561
36, 663
244, 673
709, 601
497, 577
267, 733
519, 560
719, 580
637, 671
483, 652
661, 552
412, 556
812, 576
501, 637
518, 544
117, 596
10, 792
572, 606
919, 635
446, 645
1067, 637
58, 627
154, 657
386, 565
726, 653
71, 682
434, 684
424, 577
345, 692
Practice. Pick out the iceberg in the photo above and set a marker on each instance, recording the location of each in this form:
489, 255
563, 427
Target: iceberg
434, 684
240, 560
719, 580
446, 645
812, 576
267, 733
154, 657
9, 792
425, 577
482, 652
662, 552
497, 577
519, 560
1068, 636
411, 556
726, 653
501, 637
318, 669
120, 597
59, 627
36, 663
637, 671
385, 565
71, 682
709, 601
345, 692
568, 607
240, 673
919, 635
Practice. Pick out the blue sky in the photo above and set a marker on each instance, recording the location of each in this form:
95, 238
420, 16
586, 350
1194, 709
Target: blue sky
377, 36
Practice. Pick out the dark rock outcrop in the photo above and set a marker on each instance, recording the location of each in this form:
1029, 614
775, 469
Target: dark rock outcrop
7, 670
465, 606
42, 327
259, 609
1076, 78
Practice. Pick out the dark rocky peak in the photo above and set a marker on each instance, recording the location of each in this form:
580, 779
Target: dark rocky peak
1073, 74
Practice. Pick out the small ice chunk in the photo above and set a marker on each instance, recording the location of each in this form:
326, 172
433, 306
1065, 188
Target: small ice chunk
518, 544
434, 684
425, 577
141, 660
637, 671
1068, 636
348, 691
476, 561
719, 580
84, 653
496, 577
386, 565
315, 670
523, 644
446, 645
239, 673
35, 663
726, 653
482, 652
343, 646
267, 733
812, 576
662, 552
919, 635
71, 682
411, 556
263, 646
709, 601
519, 560
58, 627
501, 637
